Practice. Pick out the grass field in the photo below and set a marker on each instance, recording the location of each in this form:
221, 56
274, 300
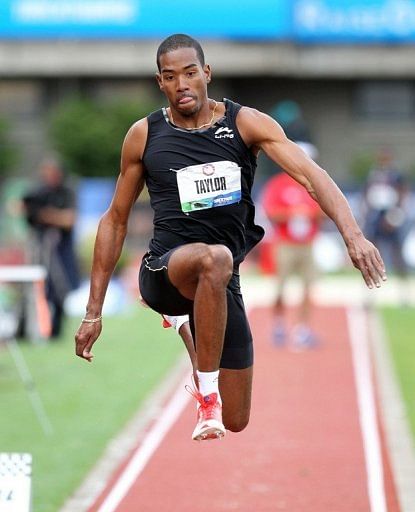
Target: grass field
400, 328
87, 403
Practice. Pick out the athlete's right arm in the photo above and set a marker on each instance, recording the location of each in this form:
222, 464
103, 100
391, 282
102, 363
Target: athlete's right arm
111, 233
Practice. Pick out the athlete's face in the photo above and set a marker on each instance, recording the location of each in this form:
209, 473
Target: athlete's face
184, 80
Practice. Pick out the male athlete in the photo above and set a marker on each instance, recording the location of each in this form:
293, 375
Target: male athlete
198, 159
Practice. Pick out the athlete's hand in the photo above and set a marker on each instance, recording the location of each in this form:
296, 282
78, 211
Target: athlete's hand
367, 259
85, 337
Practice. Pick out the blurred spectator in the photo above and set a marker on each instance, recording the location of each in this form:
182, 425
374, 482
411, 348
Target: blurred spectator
50, 211
289, 115
385, 210
296, 218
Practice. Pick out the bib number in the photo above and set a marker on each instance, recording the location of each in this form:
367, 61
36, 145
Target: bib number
209, 185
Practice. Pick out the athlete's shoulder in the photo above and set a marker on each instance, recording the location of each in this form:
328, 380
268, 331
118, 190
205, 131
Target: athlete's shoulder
138, 128
256, 126
136, 138
252, 115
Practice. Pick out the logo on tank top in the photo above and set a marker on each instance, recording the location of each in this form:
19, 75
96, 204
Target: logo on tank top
224, 133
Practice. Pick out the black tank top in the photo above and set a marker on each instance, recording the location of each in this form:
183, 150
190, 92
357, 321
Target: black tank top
170, 149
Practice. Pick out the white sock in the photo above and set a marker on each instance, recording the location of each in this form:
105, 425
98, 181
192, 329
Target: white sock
208, 382
177, 321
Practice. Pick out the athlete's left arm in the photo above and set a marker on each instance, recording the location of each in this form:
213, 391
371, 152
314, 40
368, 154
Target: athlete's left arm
261, 132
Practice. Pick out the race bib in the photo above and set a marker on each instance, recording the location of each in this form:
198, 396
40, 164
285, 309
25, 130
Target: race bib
209, 185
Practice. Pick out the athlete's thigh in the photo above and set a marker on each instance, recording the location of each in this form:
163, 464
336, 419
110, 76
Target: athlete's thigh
156, 289
235, 387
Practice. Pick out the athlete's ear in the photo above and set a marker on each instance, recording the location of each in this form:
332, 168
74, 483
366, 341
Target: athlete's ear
208, 73
159, 81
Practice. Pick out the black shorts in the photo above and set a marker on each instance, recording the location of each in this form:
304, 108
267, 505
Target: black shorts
162, 296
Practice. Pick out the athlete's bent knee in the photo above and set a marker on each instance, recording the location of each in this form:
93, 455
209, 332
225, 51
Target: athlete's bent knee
236, 425
217, 260
222, 254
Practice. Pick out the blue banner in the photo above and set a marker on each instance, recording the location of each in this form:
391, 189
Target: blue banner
353, 21
251, 19
302, 21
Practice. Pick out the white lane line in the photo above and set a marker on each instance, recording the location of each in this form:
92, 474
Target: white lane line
401, 447
146, 449
358, 330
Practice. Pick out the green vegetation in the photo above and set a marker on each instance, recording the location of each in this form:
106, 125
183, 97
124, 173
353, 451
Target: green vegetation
87, 403
400, 328
88, 136
7, 150
361, 165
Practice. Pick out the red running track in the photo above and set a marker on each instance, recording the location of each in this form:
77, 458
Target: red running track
302, 451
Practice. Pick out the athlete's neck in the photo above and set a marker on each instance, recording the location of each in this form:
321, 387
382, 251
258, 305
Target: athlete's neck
204, 118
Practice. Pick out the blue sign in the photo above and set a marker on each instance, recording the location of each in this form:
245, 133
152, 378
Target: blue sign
303, 21
254, 19
354, 21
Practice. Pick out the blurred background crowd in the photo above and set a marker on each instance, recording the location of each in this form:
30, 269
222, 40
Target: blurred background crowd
338, 76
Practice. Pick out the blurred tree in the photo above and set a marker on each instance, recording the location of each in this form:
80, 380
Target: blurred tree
360, 166
88, 135
8, 153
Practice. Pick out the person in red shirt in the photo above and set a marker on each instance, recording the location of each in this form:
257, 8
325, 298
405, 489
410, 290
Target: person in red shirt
296, 218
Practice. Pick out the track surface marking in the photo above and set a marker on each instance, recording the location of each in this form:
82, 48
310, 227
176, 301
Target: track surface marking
302, 452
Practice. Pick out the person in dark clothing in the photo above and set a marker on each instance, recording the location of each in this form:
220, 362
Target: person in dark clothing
385, 209
51, 211
198, 159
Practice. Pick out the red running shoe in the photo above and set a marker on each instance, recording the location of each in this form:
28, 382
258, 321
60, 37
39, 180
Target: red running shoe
165, 323
209, 417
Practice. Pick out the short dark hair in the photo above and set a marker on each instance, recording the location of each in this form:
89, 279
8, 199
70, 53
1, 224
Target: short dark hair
176, 41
